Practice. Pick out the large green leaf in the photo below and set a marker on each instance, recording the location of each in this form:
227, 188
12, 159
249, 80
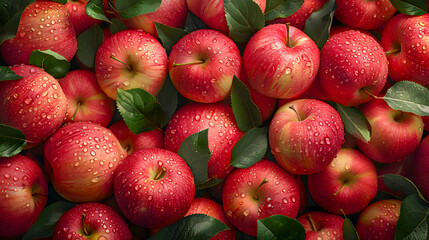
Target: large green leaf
402, 184
52, 62
117, 25
7, 74
168, 98
12, 141
408, 96
131, 8
280, 227
194, 23
10, 14
250, 149
87, 45
94, 9
169, 35
281, 8
413, 219
349, 230
318, 25
411, 7
354, 122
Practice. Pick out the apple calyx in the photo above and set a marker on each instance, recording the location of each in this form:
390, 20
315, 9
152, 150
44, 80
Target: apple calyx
288, 43
294, 109
313, 225
127, 65
189, 63
77, 108
255, 195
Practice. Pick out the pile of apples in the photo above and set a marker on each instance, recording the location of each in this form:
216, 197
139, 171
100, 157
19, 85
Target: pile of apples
180, 120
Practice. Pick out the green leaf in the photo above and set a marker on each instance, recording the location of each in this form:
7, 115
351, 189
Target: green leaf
169, 35
117, 25
52, 62
12, 141
402, 184
7, 74
413, 219
244, 18
246, 113
168, 98
280, 227
250, 149
281, 8
408, 96
10, 14
131, 8
94, 9
87, 45
192, 227
211, 182
318, 25
411, 7
355, 122
349, 230
60, 1
140, 110
194, 23
195, 151
45, 224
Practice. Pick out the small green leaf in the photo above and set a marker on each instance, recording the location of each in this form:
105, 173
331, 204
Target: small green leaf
355, 122
349, 230
52, 62
87, 45
318, 25
10, 14
411, 7
60, 1
12, 141
7, 74
117, 25
45, 224
281, 8
194, 23
195, 151
244, 18
168, 98
211, 182
280, 227
413, 219
131, 8
246, 113
169, 35
408, 96
140, 110
250, 149
192, 227
94, 9
402, 184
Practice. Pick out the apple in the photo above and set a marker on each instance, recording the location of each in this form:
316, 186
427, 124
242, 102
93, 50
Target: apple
349, 183
154, 187
202, 65
394, 134
81, 159
85, 99
78, 17
353, 67
421, 167
404, 39
257, 192
281, 61
91, 221
34, 104
223, 133
130, 59
303, 194
209, 207
23, 194
378, 220
44, 25
322, 225
305, 135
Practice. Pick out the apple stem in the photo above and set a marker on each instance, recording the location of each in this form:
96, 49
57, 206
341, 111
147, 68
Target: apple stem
335, 194
312, 224
77, 108
85, 231
392, 51
255, 195
189, 63
128, 66
288, 44
370, 94
158, 176
294, 109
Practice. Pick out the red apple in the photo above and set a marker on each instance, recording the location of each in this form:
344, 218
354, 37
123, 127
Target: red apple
257, 192
81, 159
34, 104
23, 194
223, 133
85, 99
349, 183
44, 25
78, 17
322, 225
154, 187
91, 221
202, 65
281, 63
421, 168
305, 135
130, 59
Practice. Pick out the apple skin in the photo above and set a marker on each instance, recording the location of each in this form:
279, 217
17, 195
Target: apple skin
352, 62
210, 80
84, 94
44, 25
394, 134
23, 194
320, 225
211, 208
406, 35
223, 133
99, 220
276, 70
421, 168
348, 183
144, 63
154, 187
279, 195
364, 14
34, 104
378, 220
308, 145
78, 17
81, 159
